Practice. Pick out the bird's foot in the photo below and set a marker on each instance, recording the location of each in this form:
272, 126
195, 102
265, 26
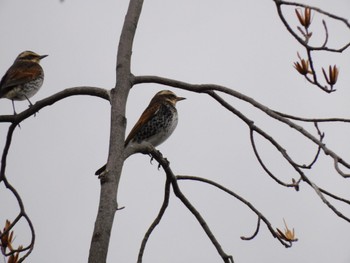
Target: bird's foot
31, 105
159, 164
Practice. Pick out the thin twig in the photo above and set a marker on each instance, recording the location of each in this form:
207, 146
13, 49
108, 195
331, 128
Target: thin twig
208, 88
6, 150
279, 5
241, 199
326, 33
306, 35
165, 164
255, 232
156, 220
262, 164
23, 214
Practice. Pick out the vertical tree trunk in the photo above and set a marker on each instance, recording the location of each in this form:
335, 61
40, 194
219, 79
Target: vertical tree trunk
109, 183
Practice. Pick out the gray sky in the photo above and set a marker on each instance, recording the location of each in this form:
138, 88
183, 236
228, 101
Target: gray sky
239, 44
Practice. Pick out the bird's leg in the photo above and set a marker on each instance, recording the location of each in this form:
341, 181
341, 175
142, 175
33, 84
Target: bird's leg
30, 104
14, 111
13, 106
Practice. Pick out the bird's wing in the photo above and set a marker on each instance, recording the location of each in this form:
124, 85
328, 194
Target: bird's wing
19, 75
149, 112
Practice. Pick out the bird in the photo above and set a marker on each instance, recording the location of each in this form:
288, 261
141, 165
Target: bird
23, 79
157, 122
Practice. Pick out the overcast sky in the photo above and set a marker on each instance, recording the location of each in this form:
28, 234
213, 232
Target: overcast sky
239, 44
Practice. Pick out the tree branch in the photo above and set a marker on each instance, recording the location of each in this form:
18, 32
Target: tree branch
147, 148
210, 88
241, 199
279, 5
305, 21
165, 164
110, 181
22, 212
84, 90
156, 220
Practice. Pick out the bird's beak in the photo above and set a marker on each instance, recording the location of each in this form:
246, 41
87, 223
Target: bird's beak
180, 98
43, 56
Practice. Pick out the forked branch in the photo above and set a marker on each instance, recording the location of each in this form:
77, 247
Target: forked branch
212, 90
280, 117
15, 120
22, 212
242, 200
306, 67
147, 148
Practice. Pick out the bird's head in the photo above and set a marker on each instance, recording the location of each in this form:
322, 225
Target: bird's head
30, 56
168, 96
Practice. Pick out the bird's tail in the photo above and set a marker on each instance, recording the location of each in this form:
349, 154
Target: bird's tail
101, 170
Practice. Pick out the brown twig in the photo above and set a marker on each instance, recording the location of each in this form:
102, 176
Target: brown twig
209, 88
241, 199
156, 220
304, 40
255, 232
15, 120
84, 90
314, 120
172, 178
22, 212
279, 5
262, 164
321, 134
284, 154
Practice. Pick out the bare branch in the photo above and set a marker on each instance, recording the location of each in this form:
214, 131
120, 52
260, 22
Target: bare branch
109, 185
326, 32
241, 199
319, 193
156, 220
321, 134
209, 88
279, 5
6, 150
284, 154
147, 148
305, 21
345, 21
22, 212
91, 91
263, 164
314, 120
255, 232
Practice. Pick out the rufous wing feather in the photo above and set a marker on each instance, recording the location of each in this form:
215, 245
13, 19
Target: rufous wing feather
149, 112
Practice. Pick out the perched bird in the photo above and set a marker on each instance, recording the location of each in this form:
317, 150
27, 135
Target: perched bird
23, 79
156, 123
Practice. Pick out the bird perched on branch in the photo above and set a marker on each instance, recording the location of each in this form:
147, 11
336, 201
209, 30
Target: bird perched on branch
156, 123
23, 79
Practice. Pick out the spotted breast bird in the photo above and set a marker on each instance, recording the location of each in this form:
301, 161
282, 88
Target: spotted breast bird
23, 79
156, 123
